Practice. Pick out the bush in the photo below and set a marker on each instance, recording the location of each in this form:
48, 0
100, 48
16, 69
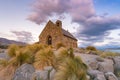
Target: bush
59, 45
109, 54
71, 69
12, 50
34, 48
44, 57
92, 48
22, 56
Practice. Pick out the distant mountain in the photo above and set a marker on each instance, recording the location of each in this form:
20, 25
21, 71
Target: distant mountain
4, 41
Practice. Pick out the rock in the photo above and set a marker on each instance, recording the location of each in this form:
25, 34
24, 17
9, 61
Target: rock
24, 72
106, 66
100, 59
47, 68
93, 64
117, 65
110, 76
52, 73
40, 75
43, 74
88, 77
96, 75
3, 56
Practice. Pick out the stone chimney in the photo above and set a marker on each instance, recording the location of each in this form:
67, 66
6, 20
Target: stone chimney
59, 23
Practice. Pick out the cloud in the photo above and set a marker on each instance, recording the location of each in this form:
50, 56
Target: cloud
96, 28
119, 34
92, 27
23, 36
80, 10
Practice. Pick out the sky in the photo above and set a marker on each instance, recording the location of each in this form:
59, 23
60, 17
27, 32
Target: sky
92, 22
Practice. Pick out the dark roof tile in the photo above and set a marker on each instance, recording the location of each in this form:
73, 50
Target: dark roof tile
68, 34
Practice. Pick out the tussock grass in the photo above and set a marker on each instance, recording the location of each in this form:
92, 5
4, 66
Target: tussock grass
109, 54
34, 48
12, 50
59, 45
44, 57
91, 48
69, 67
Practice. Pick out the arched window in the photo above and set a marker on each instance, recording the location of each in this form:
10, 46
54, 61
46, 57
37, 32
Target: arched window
49, 40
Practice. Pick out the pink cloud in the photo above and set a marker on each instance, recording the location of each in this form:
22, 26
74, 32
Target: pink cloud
79, 10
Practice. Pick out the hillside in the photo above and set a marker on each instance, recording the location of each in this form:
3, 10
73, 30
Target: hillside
4, 41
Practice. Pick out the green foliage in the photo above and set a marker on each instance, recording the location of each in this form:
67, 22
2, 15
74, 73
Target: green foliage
71, 69
12, 50
92, 48
109, 54
44, 57
59, 45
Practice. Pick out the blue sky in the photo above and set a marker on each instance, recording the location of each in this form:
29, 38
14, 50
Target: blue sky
93, 22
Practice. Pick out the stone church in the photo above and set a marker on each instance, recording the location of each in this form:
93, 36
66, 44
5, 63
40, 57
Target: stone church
53, 33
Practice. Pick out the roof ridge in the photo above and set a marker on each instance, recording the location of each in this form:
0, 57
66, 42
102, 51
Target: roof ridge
68, 34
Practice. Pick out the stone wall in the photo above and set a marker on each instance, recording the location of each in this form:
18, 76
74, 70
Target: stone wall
55, 31
68, 42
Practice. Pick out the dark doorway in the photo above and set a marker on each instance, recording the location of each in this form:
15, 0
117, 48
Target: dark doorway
49, 40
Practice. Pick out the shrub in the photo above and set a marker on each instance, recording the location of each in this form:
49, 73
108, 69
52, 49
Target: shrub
44, 57
22, 56
59, 45
12, 50
3, 62
109, 54
92, 48
71, 69
34, 48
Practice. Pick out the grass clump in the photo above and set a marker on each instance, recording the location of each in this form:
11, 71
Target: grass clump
44, 57
109, 54
34, 48
12, 50
71, 67
59, 45
92, 48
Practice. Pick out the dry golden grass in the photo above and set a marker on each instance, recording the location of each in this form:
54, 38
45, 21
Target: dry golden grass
59, 45
71, 69
12, 50
109, 54
44, 57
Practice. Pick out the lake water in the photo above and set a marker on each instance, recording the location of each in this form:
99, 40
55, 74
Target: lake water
114, 50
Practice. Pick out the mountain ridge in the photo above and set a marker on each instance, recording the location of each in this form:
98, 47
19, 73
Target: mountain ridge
5, 41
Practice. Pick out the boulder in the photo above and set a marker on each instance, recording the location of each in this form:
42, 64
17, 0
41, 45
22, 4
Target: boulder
100, 59
96, 75
24, 72
116, 61
93, 64
40, 75
106, 66
52, 74
47, 73
4, 56
110, 76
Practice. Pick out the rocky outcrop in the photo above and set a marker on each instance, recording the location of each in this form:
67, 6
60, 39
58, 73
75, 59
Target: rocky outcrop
96, 75
98, 67
24, 72
106, 66
110, 76
116, 61
46, 74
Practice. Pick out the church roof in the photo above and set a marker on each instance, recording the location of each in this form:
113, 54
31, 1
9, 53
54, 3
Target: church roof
68, 34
